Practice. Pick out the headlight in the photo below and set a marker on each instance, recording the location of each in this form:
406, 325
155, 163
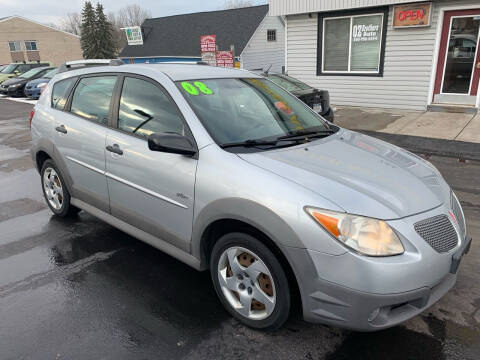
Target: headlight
14, 86
366, 235
41, 85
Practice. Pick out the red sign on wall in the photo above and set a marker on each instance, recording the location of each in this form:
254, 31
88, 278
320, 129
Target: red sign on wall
225, 58
208, 43
412, 15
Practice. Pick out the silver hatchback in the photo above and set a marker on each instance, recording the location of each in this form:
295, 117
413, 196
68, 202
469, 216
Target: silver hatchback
227, 171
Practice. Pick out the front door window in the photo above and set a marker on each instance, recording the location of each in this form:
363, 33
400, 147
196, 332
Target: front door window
461, 55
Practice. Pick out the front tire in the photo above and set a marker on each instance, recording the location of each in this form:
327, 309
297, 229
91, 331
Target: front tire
55, 192
250, 281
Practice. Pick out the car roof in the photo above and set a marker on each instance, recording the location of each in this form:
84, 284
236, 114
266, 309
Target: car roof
176, 72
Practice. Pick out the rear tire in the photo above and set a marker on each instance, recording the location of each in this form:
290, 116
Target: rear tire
55, 191
250, 281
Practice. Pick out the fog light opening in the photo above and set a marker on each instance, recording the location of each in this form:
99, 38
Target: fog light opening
374, 314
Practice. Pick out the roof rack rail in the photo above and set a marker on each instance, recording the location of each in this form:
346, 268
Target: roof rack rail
79, 64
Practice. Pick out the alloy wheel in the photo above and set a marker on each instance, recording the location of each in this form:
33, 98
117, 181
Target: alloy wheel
246, 283
53, 188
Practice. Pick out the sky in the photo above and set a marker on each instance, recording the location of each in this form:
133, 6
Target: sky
51, 11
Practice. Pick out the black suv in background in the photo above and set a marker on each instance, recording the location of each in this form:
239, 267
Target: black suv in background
318, 100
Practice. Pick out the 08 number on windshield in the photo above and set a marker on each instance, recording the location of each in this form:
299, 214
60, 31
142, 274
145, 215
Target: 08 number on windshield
196, 88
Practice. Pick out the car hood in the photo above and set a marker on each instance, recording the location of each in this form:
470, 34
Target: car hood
360, 174
6, 76
15, 81
38, 81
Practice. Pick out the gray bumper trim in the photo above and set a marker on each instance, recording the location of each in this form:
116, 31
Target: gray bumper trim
328, 303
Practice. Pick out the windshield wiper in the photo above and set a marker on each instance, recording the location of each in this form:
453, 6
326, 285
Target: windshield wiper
248, 143
307, 134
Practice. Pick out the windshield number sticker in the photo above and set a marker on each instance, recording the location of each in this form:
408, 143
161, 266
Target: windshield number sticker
194, 89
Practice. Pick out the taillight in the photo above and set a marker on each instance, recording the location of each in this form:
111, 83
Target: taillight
31, 117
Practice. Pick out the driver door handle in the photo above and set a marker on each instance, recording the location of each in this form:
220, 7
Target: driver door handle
115, 149
62, 129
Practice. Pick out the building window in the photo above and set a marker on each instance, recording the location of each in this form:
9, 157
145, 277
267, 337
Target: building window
31, 45
272, 35
352, 44
15, 46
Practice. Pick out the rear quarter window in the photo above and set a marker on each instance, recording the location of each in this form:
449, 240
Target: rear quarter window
92, 96
60, 93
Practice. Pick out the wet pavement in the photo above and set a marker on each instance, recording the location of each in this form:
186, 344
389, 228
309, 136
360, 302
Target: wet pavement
80, 289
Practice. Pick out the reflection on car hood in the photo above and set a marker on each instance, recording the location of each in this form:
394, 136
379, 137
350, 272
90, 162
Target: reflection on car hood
14, 81
38, 81
360, 174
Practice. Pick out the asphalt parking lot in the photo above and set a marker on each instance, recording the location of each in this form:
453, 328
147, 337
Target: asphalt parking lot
80, 289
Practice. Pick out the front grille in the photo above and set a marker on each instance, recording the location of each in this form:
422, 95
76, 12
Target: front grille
457, 211
438, 232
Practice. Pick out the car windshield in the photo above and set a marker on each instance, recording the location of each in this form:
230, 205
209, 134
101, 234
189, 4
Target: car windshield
289, 83
9, 69
250, 109
31, 73
50, 74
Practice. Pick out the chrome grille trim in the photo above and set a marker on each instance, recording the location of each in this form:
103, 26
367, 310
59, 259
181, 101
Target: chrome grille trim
438, 232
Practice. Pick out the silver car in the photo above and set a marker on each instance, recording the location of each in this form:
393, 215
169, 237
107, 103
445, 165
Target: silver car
228, 172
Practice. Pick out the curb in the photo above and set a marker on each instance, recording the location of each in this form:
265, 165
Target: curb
430, 146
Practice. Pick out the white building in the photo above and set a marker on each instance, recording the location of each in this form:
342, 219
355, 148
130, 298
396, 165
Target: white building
385, 53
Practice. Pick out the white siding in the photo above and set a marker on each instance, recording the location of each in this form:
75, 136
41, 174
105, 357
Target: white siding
260, 53
408, 64
290, 7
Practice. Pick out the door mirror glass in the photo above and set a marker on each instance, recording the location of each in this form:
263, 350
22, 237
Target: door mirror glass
171, 143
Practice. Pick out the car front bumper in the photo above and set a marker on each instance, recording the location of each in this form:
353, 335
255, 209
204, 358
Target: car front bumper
14, 92
327, 302
33, 93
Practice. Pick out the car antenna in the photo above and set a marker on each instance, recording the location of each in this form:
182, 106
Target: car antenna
268, 69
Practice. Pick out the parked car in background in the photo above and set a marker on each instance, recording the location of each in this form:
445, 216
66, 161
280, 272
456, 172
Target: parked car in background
16, 86
226, 170
33, 88
15, 69
318, 100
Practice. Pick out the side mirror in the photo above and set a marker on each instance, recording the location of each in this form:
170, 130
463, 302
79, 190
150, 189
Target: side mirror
171, 143
16, 72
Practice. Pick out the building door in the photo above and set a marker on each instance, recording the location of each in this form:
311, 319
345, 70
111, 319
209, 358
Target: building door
458, 70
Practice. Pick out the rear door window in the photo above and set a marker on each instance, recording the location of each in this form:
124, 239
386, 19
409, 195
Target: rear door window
92, 96
146, 109
60, 93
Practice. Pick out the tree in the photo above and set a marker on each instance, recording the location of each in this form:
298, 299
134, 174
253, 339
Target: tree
96, 33
71, 23
88, 30
132, 15
234, 4
107, 48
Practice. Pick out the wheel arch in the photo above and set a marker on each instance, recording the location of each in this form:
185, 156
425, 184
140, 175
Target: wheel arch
262, 223
45, 151
40, 157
